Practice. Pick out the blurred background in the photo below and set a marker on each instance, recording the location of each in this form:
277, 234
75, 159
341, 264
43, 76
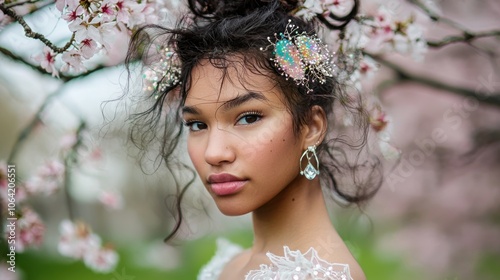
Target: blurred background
437, 216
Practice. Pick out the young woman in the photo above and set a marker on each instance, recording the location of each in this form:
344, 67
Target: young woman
256, 90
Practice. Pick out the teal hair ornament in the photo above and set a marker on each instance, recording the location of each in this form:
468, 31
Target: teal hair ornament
301, 57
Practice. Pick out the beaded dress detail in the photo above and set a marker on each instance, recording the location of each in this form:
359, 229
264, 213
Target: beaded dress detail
293, 265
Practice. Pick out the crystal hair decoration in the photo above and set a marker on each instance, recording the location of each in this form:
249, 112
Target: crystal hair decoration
310, 172
301, 57
163, 73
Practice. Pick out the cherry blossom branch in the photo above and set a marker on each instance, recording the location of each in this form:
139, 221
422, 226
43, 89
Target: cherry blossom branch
69, 161
35, 35
490, 98
466, 37
17, 58
21, 3
62, 77
435, 17
25, 133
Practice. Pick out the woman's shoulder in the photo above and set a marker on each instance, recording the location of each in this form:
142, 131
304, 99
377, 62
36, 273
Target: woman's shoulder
225, 252
294, 264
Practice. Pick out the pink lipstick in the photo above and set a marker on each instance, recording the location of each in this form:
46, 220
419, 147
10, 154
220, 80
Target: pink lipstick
225, 184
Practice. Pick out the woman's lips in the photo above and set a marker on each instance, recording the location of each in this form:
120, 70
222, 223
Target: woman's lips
225, 184
227, 188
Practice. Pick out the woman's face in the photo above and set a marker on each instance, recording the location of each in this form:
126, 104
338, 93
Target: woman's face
241, 138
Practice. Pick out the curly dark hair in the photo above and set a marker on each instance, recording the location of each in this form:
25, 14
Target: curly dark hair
220, 31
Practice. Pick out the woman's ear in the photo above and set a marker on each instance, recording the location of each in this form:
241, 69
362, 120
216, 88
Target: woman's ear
315, 129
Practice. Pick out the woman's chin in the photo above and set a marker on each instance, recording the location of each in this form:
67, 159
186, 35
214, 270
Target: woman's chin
230, 209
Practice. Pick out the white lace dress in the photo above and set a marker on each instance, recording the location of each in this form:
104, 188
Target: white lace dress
293, 265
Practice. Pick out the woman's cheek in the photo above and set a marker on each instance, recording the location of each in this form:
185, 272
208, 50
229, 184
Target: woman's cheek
257, 147
195, 154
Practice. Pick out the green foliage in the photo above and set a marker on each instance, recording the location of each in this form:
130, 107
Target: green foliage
38, 266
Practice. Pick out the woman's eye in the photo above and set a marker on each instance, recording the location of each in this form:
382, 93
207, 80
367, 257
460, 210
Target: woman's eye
195, 125
249, 119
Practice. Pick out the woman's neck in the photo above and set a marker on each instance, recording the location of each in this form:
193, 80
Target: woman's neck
295, 217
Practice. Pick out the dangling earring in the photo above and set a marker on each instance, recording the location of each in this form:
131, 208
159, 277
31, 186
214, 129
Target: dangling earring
310, 171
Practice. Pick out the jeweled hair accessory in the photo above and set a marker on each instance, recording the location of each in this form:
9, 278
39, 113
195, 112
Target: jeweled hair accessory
163, 73
301, 57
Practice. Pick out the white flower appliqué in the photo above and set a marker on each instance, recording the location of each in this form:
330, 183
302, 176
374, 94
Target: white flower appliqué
297, 266
293, 265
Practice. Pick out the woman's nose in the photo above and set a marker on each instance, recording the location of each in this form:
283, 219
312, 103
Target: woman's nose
219, 149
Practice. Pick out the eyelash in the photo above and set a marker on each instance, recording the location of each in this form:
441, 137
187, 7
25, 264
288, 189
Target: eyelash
250, 113
190, 123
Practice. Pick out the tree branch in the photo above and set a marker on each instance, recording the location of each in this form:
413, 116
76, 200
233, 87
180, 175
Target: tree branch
62, 77
69, 161
35, 35
465, 38
15, 57
29, 128
467, 35
21, 3
490, 98
435, 17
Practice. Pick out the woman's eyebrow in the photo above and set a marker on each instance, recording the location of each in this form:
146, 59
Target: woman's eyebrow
230, 104
190, 110
241, 99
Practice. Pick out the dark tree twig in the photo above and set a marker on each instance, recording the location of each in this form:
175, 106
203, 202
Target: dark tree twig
490, 98
35, 35
466, 37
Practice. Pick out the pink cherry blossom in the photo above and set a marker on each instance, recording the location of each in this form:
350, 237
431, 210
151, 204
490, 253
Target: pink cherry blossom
69, 4
20, 191
150, 14
378, 120
384, 17
108, 10
356, 36
310, 9
73, 14
84, 30
60, 4
73, 62
47, 179
382, 125
76, 239
78, 242
107, 33
67, 141
339, 7
95, 154
47, 61
88, 48
123, 13
137, 14
30, 230
368, 67
101, 260
382, 32
112, 200
388, 150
